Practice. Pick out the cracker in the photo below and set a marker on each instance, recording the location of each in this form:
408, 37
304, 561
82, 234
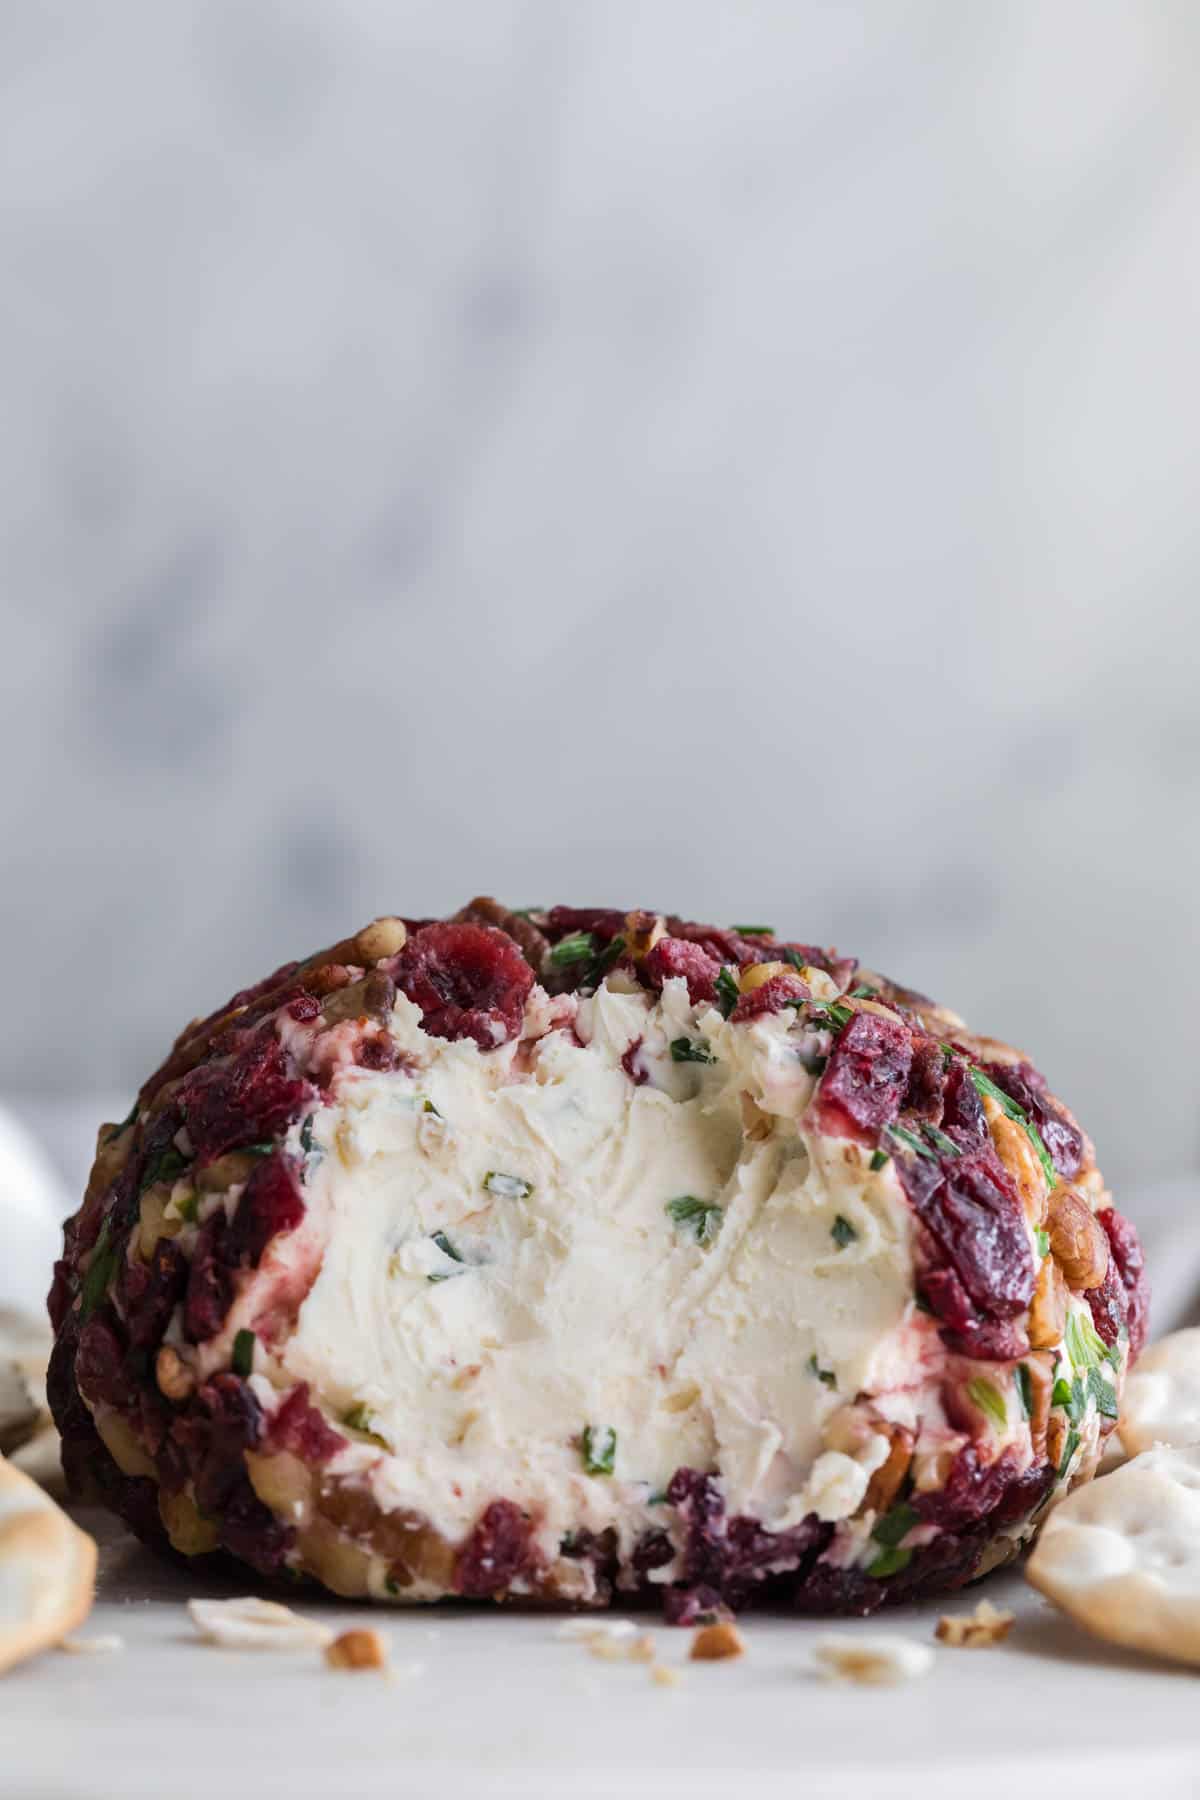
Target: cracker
1121, 1555
1161, 1403
47, 1570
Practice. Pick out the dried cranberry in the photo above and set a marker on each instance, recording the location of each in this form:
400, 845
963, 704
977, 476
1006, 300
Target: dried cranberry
672, 957
469, 981
653, 1550
496, 1552
1108, 1304
271, 1203
301, 1429
210, 1283
247, 1099
924, 1095
972, 1212
303, 1008
602, 922
222, 1421
971, 1489
250, 1531
99, 1365
1022, 1083
376, 1053
151, 1291
722, 946
632, 1064
963, 1116
1131, 1264
865, 1078
773, 996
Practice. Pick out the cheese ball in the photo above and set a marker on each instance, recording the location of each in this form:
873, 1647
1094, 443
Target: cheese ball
586, 1257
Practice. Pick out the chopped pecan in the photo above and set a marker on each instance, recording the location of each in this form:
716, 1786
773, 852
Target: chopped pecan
1077, 1239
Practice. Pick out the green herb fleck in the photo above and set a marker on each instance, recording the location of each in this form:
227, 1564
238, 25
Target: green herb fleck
100, 1270
988, 1398
703, 1218
728, 992
306, 1131
1042, 1240
863, 993
842, 1232
985, 1085
391, 1584
168, 1165
788, 955
824, 1375
603, 961
1025, 1389
189, 1207
446, 1247
753, 930
879, 1160
242, 1360
429, 1107
579, 947
911, 1140
685, 1050
1103, 1393
359, 1418
262, 1149
895, 1525
945, 1144
889, 1562
837, 1014
508, 1187
599, 1449
1072, 1396
1085, 1346
1069, 1449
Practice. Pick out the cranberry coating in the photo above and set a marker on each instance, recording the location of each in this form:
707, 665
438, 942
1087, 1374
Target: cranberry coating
497, 1551
972, 1213
469, 981
866, 1077
772, 996
249, 1098
1131, 1265
672, 957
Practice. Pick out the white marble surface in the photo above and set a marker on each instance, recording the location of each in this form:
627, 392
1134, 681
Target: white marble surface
733, 457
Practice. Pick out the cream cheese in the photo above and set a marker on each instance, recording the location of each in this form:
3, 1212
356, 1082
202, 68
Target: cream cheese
503, 1272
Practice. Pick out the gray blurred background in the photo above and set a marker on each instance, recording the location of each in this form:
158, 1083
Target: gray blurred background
730, 457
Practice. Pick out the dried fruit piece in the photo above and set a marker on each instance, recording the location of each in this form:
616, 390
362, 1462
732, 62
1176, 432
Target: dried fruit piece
469, 981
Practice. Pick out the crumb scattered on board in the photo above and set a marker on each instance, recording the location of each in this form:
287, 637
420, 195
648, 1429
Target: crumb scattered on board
252, 1624
618, 1640
360, 1649
715, 1643
988, 1624
103, 1644
873, 1661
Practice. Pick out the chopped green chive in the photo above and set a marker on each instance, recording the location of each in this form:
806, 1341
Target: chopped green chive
788, 955
1025, 1389
826, 1376
842, 1232
1085, 1346
306, 1130
863, 993
1072, 1397
879, 1160
261, 1149
753, 930
1042, 1240
603, 961
188, 1208
945, 1144
988, 1398
446, 1247
985, 1085
100, 1270
728, 992
1103, 1393
168, 1165
685, 1050
895, 1525
508, 1187
837, 1014
703, 1218
429, 1107
358, 1418
1069, 1449
579, 947
242, 1360
889, 1562
599, 1449
911, 1140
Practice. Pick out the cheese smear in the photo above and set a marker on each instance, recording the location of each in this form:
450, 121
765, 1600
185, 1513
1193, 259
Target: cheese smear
546, 1282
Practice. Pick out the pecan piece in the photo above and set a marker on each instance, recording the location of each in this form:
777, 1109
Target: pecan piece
1048, 1308
1077, 1239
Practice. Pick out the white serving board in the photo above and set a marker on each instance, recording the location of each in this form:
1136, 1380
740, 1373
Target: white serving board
501, 1705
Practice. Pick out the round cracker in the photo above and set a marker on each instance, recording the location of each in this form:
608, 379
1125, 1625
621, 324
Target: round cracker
47, 1570
1161, 1403
1122, 1555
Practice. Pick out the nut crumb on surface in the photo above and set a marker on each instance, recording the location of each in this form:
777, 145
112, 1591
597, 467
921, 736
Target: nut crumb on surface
642, 1649
715, 1643
873, 1661
253, 1624
662, 1676
988, 1624
100, 1645
358, 1649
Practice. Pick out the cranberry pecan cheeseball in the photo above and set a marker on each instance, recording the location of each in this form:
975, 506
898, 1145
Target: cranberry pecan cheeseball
587, 1255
